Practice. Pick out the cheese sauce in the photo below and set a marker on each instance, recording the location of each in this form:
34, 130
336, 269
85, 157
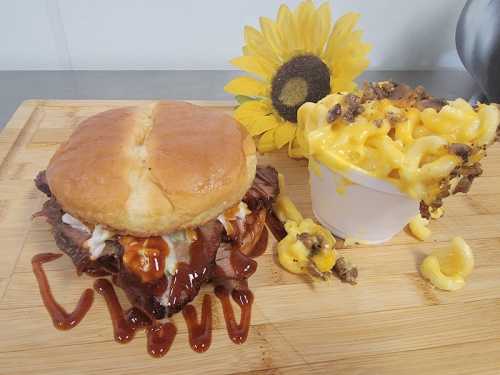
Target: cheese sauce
231, 215
146, 257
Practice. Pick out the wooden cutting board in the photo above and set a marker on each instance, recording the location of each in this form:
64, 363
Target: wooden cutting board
392, 322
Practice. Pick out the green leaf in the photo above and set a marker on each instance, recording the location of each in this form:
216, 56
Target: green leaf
242, 98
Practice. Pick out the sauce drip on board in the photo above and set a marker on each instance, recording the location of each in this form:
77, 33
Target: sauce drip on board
123, 330
200, 334
160, 338
238, 333
61, 319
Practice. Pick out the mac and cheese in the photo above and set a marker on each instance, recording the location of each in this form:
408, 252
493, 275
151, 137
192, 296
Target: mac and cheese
428, 148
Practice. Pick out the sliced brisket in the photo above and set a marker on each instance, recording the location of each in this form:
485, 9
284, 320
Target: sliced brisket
264, 190
68, 239
145, 296
42, 184
189, 277
213, 255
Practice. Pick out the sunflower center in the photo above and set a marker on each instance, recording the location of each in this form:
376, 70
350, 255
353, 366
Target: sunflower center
294, 92
302, 79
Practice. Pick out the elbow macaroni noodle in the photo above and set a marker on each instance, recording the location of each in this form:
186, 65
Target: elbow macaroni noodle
396, 142
448, 268
419, 228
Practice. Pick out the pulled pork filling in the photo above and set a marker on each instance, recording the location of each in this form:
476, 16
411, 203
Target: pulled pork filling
160, 275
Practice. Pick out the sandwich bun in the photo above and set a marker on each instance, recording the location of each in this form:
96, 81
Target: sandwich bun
151, 170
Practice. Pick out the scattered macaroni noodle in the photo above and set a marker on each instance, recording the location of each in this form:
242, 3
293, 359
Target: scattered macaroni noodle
307, 245
284, 207
418, 227
428, 148
447, 269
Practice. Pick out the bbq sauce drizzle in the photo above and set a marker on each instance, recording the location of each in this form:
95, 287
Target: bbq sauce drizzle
61, 319
123, 330
200, 334
238, 333
160, 336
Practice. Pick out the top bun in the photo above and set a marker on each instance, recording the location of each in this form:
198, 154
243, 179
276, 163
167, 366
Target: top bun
154, 169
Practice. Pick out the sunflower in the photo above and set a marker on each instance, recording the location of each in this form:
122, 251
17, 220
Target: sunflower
301, 57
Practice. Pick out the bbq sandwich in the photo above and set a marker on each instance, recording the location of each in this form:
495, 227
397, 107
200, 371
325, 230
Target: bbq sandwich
163, 198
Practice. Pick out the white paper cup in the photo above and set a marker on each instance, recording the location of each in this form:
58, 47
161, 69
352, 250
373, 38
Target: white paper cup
368, 209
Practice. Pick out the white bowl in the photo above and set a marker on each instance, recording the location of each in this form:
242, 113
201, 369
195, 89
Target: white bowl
354, 205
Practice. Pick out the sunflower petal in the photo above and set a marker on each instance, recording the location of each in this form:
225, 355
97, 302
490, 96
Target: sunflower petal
263, 124
248, 112
342, 27
342, 84
255, 65
284, 134
302, 16
346, 23
258, 45
246, 86
266, 142
295, 151
323, 28
265, 54
270, 32
286, 28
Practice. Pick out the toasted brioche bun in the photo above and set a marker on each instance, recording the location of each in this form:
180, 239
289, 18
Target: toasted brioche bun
152, 170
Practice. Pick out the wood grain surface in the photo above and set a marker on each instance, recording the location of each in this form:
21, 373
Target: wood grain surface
392, 322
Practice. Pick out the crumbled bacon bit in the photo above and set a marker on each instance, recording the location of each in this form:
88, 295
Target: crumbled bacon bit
461, 150
388, 88
424, 210
345, 271
472, 171
400, 91
370, 92
435, 103
420, 92
395, 118
354, 107
352, 100
463, 186
377, 91
334, 113
312, 242
469, 173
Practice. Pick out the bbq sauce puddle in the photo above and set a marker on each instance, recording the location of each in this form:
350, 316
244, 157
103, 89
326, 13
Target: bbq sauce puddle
61, 319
